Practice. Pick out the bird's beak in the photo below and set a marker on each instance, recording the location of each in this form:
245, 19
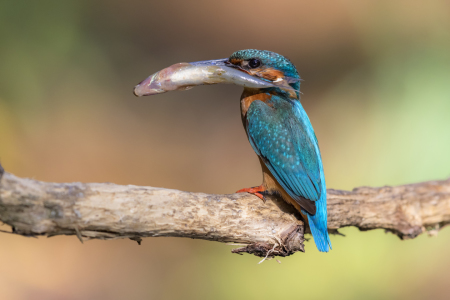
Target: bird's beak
213, 62
183, 76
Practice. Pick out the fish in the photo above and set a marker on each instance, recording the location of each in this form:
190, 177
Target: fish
184, 76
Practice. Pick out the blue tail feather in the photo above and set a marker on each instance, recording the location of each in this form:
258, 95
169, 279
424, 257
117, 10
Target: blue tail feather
318, 225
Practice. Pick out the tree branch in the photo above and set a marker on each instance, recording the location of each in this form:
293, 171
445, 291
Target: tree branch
109, 211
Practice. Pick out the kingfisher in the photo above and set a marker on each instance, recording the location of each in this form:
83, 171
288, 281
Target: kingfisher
277, 126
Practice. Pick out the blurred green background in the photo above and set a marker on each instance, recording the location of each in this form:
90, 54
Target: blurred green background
376, 87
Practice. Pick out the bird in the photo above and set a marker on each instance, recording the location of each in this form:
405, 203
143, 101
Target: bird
278, 129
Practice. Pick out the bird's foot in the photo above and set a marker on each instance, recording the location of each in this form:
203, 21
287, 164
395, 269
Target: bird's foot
258, 191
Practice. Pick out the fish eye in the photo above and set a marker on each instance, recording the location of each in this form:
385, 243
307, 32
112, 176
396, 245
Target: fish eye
254, 63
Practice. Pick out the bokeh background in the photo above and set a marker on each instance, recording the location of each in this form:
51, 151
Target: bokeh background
376, 87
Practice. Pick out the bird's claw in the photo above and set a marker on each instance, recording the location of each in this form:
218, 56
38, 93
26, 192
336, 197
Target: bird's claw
257, 191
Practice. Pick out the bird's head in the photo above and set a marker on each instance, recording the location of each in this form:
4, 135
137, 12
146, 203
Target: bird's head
252, 69
266, 65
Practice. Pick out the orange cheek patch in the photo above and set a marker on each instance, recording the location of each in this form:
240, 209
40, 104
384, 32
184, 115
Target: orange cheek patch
236, 61
268, 73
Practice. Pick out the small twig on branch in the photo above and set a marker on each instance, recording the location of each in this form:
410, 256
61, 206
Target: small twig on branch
109, 211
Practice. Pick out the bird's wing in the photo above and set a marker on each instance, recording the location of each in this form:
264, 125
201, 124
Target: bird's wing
284, 139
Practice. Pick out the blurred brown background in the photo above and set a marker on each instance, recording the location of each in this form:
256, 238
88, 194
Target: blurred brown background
376, 87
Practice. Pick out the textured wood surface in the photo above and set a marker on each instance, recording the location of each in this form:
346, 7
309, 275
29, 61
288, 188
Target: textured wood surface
110, 211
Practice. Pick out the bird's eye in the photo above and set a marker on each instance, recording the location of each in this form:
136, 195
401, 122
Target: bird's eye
254, 63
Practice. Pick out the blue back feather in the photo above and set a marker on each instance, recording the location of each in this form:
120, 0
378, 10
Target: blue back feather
318, 222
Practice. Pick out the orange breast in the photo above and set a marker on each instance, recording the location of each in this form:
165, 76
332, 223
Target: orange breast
250, 95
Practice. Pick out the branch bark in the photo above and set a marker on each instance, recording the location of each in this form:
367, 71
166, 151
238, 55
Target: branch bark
109, 211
